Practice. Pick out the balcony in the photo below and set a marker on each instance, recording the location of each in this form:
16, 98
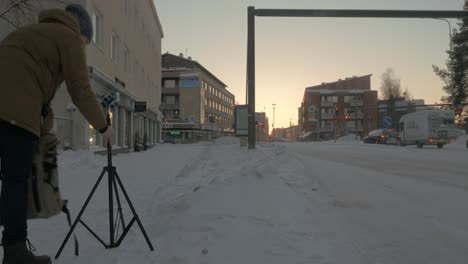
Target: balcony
356, 103
326, 104
326, 129
326, 116
167, 106
353, 116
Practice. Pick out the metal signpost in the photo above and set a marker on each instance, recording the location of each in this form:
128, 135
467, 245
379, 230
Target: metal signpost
252, 13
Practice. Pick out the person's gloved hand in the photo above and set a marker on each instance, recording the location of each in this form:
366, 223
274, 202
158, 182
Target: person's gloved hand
109, 136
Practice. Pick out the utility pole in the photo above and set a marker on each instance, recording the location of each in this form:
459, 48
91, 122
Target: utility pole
335, 121
369, 117
273, 115
251, 75
319, 122
356, 124
273, 125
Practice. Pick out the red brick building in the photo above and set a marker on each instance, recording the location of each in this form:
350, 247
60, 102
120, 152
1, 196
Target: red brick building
341, 107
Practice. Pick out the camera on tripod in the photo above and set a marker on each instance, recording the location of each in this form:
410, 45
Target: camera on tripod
110, 100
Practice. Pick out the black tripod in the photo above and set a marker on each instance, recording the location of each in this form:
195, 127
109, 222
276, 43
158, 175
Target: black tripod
113, 180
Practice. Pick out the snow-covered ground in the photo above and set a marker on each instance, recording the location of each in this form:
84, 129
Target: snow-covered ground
343, 202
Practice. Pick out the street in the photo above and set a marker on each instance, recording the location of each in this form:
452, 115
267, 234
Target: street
403, 205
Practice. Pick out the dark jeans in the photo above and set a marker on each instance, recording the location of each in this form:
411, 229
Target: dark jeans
16, 154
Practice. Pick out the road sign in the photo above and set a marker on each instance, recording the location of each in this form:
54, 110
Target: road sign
387, 121
242, 118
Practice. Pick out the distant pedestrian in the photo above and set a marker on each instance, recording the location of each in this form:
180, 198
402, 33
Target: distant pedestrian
34, 61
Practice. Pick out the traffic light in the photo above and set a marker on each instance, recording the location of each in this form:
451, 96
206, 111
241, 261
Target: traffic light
337, 111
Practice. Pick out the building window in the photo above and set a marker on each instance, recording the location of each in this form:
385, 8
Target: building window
135, 70
352, 112
97, 25
125, 7
169, 99
126, 60
143, 80
93, 139
351, 98
169, 84
206, 101
327, 124
114, 46
330, 98
142, 125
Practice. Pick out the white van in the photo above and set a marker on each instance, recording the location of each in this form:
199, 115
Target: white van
431, 127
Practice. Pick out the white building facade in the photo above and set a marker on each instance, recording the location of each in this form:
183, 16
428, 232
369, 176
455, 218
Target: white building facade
124, 58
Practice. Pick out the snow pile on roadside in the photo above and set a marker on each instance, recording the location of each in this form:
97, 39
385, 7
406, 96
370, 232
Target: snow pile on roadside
349, 138
460, 143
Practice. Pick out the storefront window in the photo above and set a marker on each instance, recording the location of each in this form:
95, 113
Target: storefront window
92, 136
127, 128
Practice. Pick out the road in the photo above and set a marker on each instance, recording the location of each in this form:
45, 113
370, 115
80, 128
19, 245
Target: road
400, 204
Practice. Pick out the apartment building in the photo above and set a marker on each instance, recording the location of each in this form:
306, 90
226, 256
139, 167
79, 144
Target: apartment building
262, 127
196, 103
338, 108
124, 59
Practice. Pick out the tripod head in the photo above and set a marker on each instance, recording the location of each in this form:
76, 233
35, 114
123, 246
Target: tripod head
108, 102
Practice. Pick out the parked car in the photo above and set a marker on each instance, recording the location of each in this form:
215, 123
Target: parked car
382, 136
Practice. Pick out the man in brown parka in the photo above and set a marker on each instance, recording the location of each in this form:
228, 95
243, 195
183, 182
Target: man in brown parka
34, 61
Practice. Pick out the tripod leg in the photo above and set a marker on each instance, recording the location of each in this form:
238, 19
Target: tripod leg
111, 182
133, 211
119, 205
78, 218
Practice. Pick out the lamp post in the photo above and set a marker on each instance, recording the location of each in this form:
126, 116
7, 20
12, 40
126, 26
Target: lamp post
450, 25
273, 125
273, 115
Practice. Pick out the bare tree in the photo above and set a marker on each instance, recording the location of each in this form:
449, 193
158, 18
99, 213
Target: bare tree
390, 86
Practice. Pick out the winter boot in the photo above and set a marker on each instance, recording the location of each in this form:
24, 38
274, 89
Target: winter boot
18, 253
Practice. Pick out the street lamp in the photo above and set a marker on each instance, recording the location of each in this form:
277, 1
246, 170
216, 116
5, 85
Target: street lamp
273, 115
450, 25
273, 125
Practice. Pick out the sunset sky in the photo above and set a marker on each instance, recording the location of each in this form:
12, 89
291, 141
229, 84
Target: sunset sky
294, 53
